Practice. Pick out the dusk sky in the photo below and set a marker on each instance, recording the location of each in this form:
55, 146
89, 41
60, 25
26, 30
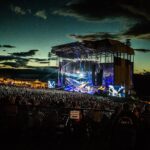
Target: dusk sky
29, 28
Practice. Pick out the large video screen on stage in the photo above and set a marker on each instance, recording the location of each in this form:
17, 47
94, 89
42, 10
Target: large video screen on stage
116, 90
79, 80
84, 76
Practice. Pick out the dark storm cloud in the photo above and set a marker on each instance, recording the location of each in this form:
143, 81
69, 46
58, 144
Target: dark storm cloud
95, 36
5, 58
36, 4
25, 54
140, 30
38, 59
17, 61
95, 10
7, 46
22, 62
142, 50
10, 57
43, 61
12, 64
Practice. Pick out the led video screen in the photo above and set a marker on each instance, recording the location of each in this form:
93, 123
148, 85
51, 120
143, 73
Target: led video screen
85, 76
51, 84
116, 90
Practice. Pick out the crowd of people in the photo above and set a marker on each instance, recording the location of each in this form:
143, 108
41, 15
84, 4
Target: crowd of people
102, 121
52, 98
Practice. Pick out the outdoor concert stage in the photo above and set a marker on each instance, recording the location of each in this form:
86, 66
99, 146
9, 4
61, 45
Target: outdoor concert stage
103, 66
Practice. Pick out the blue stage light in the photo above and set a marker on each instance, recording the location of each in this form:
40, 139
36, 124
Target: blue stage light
81, 75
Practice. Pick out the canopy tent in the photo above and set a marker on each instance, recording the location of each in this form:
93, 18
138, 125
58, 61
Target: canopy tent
86, 48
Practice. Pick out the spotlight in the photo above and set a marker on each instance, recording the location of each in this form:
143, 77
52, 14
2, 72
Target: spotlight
81, 75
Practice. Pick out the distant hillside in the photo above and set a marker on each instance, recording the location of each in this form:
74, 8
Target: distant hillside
42, 74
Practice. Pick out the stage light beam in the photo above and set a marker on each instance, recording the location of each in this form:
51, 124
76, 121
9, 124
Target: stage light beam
81, 75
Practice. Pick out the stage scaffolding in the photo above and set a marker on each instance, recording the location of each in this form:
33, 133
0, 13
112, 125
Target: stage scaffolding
101, 52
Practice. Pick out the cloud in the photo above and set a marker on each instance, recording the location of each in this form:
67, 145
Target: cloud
10, 64
11, 57
22, 62
96, 10
44, 62
140, 30
38, 59
13, 61
25, 54
136, 11
14, 64
5, 58
18, 10
95, 36
41, 14
142, 50
7, 46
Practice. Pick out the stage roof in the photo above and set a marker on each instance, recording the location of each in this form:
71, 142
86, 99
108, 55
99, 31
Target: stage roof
87, 48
